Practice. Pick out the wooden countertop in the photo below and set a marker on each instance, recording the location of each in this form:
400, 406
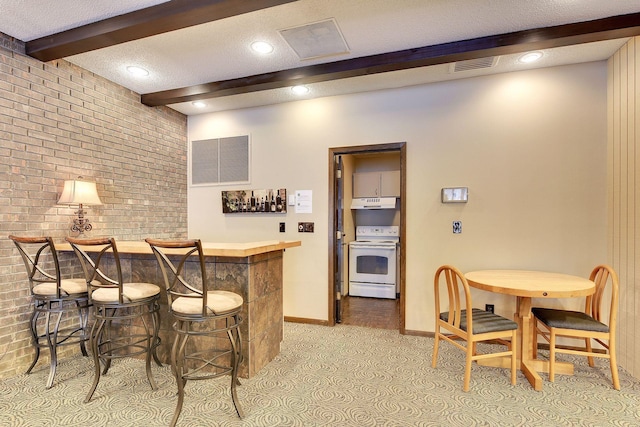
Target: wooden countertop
209, 248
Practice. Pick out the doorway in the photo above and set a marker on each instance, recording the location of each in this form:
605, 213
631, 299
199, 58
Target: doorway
359, 307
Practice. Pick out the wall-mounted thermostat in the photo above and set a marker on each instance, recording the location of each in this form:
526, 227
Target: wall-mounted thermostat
455, 195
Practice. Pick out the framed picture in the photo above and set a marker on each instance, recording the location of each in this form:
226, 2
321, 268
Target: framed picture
254, 201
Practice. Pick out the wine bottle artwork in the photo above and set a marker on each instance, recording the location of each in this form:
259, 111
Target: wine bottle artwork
254, 201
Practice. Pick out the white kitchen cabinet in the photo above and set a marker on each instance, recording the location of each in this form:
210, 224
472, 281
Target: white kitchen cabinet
376, 184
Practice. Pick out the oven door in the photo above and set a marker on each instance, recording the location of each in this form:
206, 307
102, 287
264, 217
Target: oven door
372, 262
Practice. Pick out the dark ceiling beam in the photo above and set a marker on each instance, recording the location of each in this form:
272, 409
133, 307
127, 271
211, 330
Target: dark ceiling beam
521, 41
170, 16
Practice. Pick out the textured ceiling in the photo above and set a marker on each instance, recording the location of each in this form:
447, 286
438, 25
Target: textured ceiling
220, 50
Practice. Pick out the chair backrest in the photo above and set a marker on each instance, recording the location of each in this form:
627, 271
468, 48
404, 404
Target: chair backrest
185, 276
41, 261
458, 296
604, 276
96, 263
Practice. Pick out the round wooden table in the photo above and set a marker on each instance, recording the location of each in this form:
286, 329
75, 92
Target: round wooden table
526, 285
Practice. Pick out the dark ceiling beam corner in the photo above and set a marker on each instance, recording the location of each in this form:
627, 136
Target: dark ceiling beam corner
165, 17
521, 41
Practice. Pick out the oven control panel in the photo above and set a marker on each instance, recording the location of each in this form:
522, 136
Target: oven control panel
377, 232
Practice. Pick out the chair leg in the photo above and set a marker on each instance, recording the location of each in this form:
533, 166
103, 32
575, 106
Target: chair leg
534, 344
33, 326
52, 343
106, 341
239, 342
614, 366
152, 339
436, 342
83, 315
236, 347
156, 332
552, 355
514, 346
94, 342
177, 361
587, 344
467, 367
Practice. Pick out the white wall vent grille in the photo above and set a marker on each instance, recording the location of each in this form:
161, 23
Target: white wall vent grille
220, 161
473, 64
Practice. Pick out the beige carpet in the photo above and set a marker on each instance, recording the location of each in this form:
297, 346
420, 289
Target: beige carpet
327, 376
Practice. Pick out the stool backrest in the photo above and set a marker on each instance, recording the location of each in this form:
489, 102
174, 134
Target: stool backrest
40, 260
95, 256
185, 275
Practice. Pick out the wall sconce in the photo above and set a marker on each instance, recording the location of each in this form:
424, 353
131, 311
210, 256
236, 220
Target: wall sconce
79, 192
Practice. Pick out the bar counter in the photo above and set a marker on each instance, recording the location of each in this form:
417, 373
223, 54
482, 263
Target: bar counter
252, 269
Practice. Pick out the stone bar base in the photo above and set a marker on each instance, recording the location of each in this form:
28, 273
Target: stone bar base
253, 270
257, 278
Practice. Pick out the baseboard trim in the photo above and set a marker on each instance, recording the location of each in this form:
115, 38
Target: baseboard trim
419, 333
306, 320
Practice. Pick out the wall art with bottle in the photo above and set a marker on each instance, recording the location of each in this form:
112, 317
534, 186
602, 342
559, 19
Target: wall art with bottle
255, 201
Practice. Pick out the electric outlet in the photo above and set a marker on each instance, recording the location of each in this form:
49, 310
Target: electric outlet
457, 227
282, 227
305, 227
488, 307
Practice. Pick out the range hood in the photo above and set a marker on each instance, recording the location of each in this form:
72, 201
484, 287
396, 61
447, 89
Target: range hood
374, 203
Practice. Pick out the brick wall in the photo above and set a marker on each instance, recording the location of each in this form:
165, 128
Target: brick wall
57, 122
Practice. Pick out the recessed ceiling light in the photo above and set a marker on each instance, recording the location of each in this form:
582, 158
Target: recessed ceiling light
300, 90
199, 104
262, 47
137, 71
530, 57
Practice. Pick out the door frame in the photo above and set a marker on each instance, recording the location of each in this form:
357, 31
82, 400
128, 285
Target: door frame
400, 147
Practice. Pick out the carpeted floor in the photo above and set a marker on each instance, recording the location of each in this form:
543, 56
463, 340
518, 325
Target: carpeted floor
327, 376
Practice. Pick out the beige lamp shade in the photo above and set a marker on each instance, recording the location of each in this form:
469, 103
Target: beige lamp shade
77, 192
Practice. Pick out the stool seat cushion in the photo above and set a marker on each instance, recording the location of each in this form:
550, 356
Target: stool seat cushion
69, 286
219, 302
131, 292
568, 319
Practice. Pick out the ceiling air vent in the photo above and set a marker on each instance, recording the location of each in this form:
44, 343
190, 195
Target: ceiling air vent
316, 40
473, 64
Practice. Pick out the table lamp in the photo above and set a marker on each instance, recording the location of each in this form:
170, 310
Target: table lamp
80, 192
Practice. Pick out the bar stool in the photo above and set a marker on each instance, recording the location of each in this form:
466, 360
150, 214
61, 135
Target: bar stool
116, 301
54, 298
200, 311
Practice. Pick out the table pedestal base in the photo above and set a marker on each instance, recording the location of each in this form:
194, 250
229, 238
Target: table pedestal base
529, 368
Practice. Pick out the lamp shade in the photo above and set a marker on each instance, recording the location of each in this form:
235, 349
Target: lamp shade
77, 192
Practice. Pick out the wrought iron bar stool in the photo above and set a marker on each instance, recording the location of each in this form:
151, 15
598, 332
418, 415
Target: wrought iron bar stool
54, 300
117, 304
200, 311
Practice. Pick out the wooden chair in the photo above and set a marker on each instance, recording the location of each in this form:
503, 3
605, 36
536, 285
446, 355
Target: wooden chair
200, 311
54, 299
471, 325
588, 325
117, 303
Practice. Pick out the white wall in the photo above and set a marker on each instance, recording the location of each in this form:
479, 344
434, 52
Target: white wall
531, 147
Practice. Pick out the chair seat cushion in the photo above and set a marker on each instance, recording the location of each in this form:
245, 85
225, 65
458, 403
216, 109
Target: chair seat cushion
131, 291
69, 286
483, 321
567, 319
218, 302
